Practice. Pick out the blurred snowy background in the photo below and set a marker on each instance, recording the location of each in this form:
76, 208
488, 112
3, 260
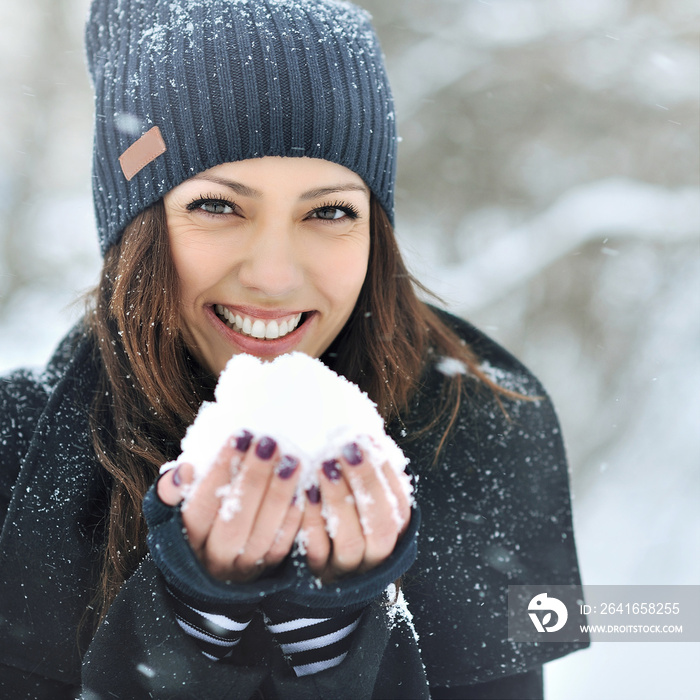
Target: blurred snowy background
548, 191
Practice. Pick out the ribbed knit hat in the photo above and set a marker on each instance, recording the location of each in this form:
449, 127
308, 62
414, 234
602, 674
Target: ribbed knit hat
184, 85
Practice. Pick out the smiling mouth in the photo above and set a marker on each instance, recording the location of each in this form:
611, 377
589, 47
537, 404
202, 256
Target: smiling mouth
257, 328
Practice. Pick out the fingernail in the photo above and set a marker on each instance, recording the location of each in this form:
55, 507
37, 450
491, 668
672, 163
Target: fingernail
265, 448
331, 469
287, 466
352, 454
243, 441
177, 477
313, 494
294, 499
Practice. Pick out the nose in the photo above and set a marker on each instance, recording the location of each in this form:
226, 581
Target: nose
271, 265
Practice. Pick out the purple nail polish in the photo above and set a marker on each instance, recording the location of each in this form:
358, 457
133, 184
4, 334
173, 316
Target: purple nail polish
265, 448
331, 469
352, 454
313, 495
243, 441
177, 477
294, 499
287, 466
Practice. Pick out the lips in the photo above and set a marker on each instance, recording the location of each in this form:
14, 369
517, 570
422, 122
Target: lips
262, 329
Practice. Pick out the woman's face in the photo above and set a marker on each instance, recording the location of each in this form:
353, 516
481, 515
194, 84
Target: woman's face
271, 255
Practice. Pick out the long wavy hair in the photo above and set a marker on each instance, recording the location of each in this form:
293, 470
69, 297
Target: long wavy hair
150, 387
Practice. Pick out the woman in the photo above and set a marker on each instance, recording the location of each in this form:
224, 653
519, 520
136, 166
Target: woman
243, 179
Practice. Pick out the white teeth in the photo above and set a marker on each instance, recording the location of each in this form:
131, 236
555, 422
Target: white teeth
257, 328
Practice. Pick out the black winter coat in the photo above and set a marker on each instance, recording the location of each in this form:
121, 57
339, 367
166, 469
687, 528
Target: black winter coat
495, 512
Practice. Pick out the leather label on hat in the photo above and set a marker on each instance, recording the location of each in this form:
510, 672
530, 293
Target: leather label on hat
142, 152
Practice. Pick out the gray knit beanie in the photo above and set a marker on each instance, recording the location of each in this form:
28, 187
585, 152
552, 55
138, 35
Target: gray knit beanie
184, 85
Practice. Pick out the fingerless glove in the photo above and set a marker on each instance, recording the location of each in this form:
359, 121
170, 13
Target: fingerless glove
312, 622
216, 630
183, 572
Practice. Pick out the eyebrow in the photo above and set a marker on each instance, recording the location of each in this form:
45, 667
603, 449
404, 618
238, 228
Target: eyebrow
245, 191
324, 191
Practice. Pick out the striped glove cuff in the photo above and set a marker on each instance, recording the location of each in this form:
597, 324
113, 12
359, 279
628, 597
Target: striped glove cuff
313, 644
216, 633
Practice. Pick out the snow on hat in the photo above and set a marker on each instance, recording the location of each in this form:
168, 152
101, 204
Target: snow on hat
184, 85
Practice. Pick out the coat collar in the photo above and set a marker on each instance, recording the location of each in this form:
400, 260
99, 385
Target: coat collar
46, 556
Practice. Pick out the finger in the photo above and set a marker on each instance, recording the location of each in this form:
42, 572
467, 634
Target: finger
201, 506
342, 520
375, 503
284, 538
172, 485
313, 533
271, 513
399, 483
238, 509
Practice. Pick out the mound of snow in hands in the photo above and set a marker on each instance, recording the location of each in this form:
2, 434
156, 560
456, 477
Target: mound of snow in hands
307, 408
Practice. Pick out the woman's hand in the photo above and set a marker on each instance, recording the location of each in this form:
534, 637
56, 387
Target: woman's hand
240, 520
353, 523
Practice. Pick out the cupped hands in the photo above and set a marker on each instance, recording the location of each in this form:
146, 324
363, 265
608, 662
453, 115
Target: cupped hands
243, 516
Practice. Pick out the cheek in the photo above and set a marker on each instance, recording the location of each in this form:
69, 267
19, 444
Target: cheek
196, 270
190, 283
343, 276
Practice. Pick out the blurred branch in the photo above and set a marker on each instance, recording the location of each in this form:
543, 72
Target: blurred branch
609, 208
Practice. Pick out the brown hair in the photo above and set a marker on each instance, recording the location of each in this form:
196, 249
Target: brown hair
151, 388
